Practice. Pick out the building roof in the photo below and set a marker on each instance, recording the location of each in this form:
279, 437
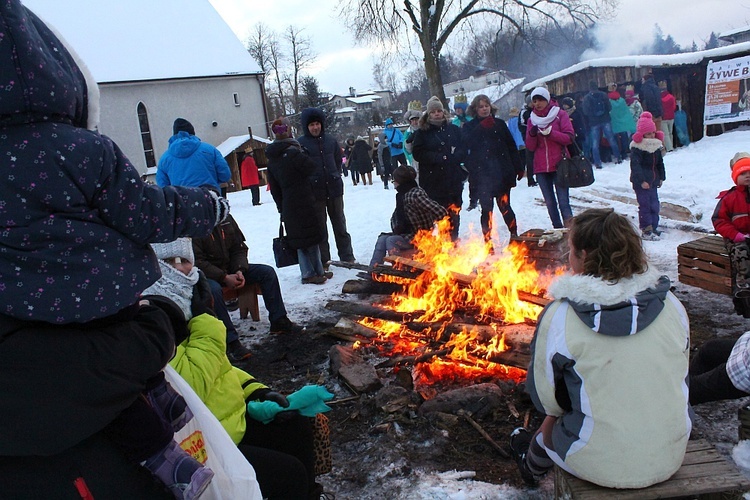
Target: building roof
730, 34
136, 40
232, 143
494, 92
364, 99
666, 60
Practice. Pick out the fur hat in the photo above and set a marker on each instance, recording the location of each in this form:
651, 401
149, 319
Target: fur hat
540, 92
740, 166
181, 247
404, 174
281, 128
738, 157
182, 125
644, 126
567, 102
434, 104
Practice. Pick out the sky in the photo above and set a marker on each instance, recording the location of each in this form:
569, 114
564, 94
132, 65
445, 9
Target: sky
341, 63
694, 176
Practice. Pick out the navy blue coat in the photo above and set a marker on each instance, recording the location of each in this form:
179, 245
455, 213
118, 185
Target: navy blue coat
325, 151
492, 157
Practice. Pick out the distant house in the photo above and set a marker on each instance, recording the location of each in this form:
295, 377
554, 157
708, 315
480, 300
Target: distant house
159, 60
684, 75
737, 35
500, 93
346, 106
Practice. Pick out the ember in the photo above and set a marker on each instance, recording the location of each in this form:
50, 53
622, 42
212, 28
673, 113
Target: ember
468, 315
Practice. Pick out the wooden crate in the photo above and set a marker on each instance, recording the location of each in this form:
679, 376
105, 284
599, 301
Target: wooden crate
704, 474
248, 299
550, 255
704, 263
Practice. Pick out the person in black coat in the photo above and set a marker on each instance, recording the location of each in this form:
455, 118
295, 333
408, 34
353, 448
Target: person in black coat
328, 186
579, 124
360, 159
438, 148
651, 98
493, 162
289, 170
528, 156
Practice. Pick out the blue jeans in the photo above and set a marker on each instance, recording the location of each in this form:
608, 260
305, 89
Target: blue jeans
548, 185
388, 242
309, 260
648, 207
595, 136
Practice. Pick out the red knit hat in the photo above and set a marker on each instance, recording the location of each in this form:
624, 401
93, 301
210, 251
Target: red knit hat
645, 125
740, 166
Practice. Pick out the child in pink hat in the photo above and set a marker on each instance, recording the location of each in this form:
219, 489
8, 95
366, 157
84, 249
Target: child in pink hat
647, 174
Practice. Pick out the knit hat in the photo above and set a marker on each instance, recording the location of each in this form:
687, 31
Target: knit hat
434, 104
614, 95
629, 96
567, 102
540, 92
644, 126
460, 102
404, 174
513, 112
182, 125
740, 167
181, 247
388, 121
738, 157
281, 128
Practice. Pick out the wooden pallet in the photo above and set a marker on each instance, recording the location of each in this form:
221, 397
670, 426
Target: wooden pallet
704, 263
550, 255
704, 474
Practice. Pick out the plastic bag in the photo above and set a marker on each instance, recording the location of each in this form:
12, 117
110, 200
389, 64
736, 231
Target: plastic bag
207, 441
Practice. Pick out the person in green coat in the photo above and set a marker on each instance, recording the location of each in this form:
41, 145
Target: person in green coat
623, 124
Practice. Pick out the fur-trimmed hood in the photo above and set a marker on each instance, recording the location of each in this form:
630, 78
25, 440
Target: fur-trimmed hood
310, 115
617, 309
650, 145
42, 78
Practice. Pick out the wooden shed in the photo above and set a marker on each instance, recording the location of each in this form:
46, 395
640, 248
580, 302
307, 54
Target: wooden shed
684, 73
233, 149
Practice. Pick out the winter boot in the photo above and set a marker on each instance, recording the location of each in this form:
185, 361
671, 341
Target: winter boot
185, 477
520, 439
170, 405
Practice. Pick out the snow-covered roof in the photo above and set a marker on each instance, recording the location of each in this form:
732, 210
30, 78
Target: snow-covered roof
147, 39
364, 99
639, 61
348, 109
494, 92
232, 143
731, 33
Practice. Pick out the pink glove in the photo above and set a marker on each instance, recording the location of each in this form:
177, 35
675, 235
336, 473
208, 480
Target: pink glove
740, 237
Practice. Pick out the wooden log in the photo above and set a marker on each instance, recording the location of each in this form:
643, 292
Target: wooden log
371, 287
384, 270
466, 279
666, 209
414, 359
513, 358
519, 334
349, 327
367, 310
344, 336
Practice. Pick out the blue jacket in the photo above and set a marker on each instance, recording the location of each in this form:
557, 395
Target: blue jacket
325, 151
394, 136
76, 216
516, 132
190, 162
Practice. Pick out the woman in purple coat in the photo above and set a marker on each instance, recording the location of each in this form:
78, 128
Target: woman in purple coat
549, 132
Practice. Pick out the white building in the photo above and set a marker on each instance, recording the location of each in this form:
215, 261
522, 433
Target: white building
159, 60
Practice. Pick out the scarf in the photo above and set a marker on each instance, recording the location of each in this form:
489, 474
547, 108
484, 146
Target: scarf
543, 118
175, 285
437, 123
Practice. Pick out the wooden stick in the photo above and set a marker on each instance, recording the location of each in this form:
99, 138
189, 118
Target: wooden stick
386, 270
500, 449
371, 287
342, 400
413, 359
349, 327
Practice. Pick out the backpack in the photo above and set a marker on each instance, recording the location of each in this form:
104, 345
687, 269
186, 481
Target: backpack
598, 107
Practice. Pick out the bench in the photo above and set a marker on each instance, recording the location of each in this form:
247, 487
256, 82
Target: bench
704, 263
704, 474
247, 299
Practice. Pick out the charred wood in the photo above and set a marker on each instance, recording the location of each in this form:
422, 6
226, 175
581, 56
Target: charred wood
371, 287
353, 308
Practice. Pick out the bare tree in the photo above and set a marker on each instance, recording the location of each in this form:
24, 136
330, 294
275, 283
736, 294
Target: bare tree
301, 56
263, 45
434, 21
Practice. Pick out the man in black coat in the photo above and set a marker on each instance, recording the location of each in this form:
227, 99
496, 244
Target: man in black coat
596, 108
651, 98
328, 186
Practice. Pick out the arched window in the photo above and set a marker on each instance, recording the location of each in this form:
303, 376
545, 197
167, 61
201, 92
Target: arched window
148, 147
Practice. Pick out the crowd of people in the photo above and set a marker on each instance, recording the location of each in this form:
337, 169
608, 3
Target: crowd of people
132, 277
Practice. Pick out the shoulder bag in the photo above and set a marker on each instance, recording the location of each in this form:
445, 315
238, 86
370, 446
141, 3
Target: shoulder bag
282, 252
574, 171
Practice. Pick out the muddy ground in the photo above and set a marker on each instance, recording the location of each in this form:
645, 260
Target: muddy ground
375, 450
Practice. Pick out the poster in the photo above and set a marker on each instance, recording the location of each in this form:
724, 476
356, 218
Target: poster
727, 91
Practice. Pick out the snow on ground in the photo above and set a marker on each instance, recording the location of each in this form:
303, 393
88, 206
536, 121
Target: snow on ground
695, 175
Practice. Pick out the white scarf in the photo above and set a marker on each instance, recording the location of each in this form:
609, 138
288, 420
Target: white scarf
543, 122
175, 285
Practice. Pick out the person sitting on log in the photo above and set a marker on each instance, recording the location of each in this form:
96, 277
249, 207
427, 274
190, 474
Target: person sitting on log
414, 211
608, 365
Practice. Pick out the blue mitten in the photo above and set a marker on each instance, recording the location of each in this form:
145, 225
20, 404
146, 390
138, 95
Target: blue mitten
309, 401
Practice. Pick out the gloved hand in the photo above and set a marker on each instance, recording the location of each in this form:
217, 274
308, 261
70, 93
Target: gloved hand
741, 237
488, 122
269, 395
221, 206
546, 131
533, 131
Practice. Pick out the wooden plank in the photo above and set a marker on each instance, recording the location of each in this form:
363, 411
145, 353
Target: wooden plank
706, 285
709, 267
705, 255
700, 275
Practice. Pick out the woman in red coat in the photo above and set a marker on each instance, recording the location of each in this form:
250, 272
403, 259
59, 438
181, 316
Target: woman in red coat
249, 176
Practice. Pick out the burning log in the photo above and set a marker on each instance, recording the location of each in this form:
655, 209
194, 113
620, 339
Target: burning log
371, 287
348, 326
384, 270
515, 335
402, 360
465, 279
356, 309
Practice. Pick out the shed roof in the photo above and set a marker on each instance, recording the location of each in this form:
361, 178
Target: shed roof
232, 143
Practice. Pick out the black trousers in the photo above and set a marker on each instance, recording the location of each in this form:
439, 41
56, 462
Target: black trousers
708, 376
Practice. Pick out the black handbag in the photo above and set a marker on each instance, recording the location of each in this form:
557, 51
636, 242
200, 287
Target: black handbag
282, 252
574, 171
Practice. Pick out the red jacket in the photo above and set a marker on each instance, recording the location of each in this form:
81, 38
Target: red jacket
668, 105
249, 172
732, 213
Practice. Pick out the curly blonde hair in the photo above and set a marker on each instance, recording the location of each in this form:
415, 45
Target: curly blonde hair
612, 244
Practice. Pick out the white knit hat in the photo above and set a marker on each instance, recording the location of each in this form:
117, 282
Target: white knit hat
541, 92
181, 247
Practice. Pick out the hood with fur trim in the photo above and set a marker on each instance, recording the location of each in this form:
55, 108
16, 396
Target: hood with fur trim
42, 78
617, 309
310, 115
